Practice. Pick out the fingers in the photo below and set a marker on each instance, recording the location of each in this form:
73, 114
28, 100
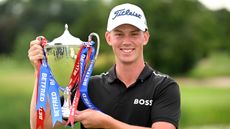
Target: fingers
83, 117
84, 114
91, 118
80, 115
35, 52
34, 42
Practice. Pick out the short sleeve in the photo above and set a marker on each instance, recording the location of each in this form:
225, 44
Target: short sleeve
166, 104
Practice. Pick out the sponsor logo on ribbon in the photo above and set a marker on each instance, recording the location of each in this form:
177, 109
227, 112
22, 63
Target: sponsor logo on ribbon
47, 86
55, 103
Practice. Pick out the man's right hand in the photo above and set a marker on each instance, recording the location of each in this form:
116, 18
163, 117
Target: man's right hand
35, 53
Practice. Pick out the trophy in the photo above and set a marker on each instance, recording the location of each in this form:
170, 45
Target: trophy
67, 60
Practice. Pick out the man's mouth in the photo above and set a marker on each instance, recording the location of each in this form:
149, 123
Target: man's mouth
127, 50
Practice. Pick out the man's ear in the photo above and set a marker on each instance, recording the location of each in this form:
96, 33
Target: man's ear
146, 37
108, 37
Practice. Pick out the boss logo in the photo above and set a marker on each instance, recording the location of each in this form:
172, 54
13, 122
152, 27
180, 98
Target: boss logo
146, 102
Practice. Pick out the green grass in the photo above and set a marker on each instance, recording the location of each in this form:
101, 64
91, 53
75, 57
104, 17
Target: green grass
205, 106
217, 64
16, 89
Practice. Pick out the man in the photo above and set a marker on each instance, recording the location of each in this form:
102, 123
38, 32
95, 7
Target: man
131, 95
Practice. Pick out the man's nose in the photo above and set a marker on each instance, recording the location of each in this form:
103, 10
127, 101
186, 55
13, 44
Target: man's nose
127, 40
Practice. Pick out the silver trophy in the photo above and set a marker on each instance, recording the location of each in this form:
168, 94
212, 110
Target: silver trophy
61, 55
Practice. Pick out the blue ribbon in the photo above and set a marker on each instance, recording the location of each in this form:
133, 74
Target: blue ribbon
83, 61
43, 84
47, 85
55, 103
84, 84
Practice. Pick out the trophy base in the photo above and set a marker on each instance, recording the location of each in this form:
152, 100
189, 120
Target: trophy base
65, 113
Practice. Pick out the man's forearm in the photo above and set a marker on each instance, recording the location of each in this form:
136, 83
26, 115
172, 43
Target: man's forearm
112, 123
33, 113
33, 106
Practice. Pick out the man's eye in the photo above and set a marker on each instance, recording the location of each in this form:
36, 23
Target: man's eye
134, 34
118, 34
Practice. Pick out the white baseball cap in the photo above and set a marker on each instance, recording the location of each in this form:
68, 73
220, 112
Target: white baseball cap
127, 14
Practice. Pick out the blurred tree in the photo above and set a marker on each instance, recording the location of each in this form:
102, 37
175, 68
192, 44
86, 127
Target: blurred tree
8, 26
223, 42
182, 32
178, 41
22, 44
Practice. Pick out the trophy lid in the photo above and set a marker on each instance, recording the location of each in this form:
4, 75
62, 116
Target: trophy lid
66, 39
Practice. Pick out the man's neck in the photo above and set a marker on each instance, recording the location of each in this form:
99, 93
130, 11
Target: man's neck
128, 73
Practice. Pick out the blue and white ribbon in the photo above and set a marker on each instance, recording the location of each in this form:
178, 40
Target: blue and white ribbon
84, 85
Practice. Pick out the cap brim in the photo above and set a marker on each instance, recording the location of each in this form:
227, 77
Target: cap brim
140, 25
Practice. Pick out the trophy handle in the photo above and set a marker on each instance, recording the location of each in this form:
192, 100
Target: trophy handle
98, 42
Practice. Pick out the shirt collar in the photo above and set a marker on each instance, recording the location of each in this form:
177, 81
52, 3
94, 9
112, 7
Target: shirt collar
112, 74
146, 72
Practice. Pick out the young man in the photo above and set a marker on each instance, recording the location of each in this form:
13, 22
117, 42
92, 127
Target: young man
131, 95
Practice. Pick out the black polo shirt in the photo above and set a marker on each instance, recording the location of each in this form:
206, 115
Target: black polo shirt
153, 97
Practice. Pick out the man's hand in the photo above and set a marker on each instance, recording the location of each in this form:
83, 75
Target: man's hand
35, 53
92, 118
96, 119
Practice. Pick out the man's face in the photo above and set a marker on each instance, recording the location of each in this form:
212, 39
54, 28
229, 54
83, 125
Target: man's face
127, 42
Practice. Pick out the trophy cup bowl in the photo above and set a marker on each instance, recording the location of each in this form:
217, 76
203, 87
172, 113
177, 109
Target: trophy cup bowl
61, 55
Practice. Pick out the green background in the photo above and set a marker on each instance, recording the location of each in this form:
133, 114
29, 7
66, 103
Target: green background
188, 41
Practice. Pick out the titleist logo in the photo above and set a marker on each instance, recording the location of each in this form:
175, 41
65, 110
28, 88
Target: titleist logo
128, 12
